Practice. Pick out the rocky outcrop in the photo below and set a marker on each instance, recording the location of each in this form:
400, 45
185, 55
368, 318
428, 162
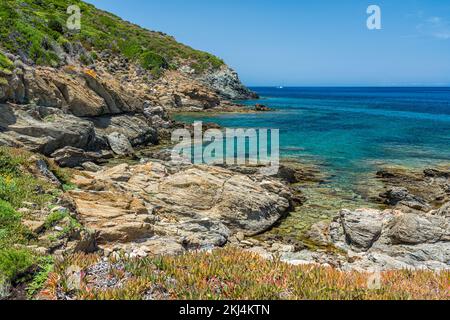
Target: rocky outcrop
373, 240
361, 227
262, 108
176, 91
194, 206
43, 105
413, 190
392, 239
401, 197
44, 130
81, 92
226, 82
73, 157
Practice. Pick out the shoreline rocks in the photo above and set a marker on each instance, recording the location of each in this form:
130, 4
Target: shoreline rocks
73, 112
392, 239
195, 206
262, 108
414, 190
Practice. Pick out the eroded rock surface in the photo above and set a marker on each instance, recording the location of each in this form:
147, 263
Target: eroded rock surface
226, 82
414, 190
393, 239
46, 109
43, 130
194, 206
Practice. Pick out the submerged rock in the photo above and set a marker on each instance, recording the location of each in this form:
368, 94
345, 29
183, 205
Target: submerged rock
262, 108
319, 234
414, 190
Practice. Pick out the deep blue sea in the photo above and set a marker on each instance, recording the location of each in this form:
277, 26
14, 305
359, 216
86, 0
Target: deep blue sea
350, 131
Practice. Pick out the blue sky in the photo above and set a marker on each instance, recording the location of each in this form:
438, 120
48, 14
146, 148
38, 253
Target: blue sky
308, 43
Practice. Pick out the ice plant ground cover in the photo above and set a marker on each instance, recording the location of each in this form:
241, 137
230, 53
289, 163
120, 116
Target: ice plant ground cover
230, 274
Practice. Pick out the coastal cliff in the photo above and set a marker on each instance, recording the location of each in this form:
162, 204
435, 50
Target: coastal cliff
63, 88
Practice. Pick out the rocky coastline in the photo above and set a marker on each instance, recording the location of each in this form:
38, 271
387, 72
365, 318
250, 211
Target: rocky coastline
84, 117
95, 136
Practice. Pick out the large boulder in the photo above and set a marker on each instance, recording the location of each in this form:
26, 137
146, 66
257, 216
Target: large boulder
392, 239
401, 196
73, 157
118, 99
51, 88
409, 228
136, 127
197, 206
82, 92
120, 144
30, 127
116, 216
361, 227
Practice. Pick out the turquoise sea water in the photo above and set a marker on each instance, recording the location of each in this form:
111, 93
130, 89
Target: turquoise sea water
351, 131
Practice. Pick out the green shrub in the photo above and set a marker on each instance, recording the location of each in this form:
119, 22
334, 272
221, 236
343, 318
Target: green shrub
15, 262
130, 49
53, 218
8, 216
19, 189
9, 165
36, 28
56, 25
11, 229
94, 56
86, 60
5, 65
153, 62
45, 266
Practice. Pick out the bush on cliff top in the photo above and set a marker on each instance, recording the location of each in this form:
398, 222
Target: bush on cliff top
37, 28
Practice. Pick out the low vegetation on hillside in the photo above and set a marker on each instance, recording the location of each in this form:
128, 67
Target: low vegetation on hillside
5, 68
21, 188
37, 29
